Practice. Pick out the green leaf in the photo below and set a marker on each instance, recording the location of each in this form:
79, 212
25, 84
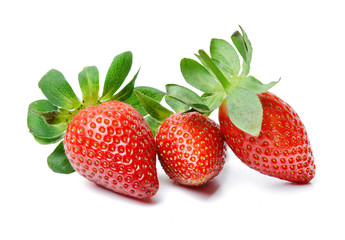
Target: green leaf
204, 64
39, 127
153, 108
238, 41
151, 92
127, 91
248, 45
58, 91
58, 161
117, 74
226, 71
224, 68
49, 117
254, 85
222, 51
56, 117
213, 101
187, 97
215, 69
245, 110
198, 76
89, 85
176, 105
154, 125
244, 47
245, 69
46, 141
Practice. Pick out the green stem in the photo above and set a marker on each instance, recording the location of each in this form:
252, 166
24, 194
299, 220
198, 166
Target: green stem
220, 76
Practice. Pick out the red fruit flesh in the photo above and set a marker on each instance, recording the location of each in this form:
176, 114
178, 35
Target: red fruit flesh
190, 148
112, 145
282, 149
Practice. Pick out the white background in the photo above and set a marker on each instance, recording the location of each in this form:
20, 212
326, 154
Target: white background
300, 41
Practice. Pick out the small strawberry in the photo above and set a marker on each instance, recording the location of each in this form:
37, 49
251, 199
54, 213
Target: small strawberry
282, 148
261, 129
105, 139
190, 146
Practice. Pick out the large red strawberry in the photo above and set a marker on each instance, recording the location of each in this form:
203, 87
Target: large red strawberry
261, 129
190, 146
282, 148
112, 145
106, 140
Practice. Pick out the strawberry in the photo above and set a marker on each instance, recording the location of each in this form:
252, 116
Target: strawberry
105, 139
261, 129
190, 146
112, 145
282, 148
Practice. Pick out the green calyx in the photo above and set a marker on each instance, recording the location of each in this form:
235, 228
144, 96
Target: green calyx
157, 113
48, 119
221, 76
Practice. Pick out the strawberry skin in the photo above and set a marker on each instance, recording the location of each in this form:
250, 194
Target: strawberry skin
282, 149
112, 145
190, 148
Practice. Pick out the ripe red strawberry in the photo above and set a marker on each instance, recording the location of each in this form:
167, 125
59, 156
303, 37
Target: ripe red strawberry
112, 145
264, 131
281, 150
105, 140
190, 148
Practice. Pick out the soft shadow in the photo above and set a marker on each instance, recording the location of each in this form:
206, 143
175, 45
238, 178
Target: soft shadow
205, 191
281, 185
105, 191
